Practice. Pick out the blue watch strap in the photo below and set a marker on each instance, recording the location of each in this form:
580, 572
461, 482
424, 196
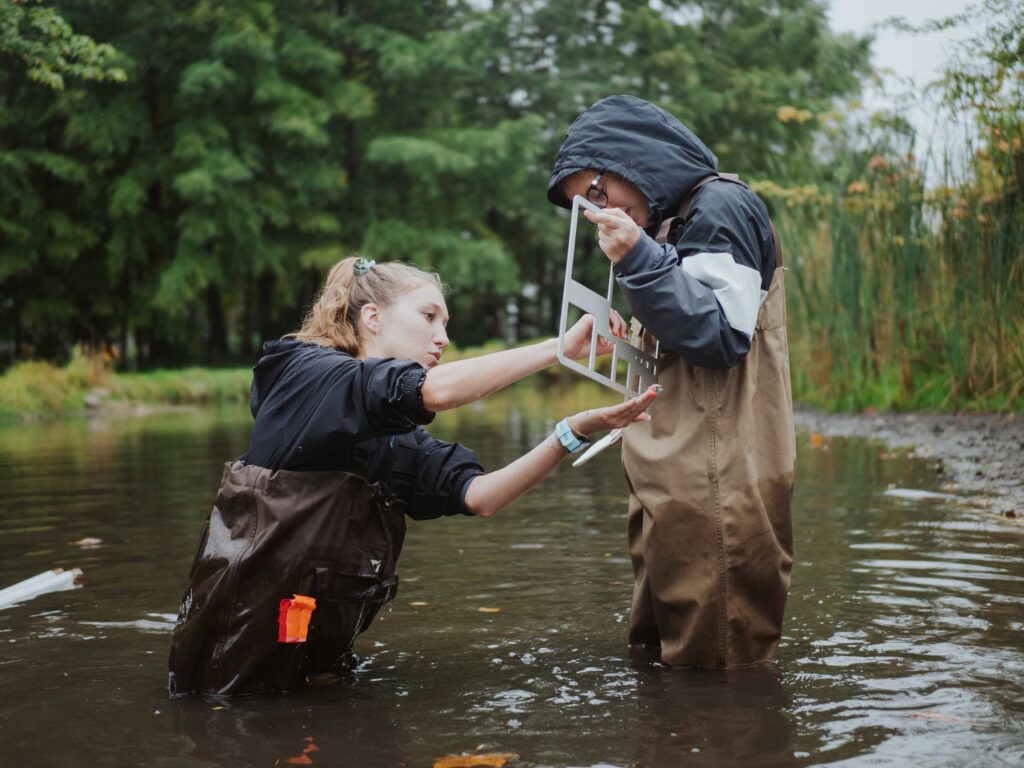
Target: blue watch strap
568, 438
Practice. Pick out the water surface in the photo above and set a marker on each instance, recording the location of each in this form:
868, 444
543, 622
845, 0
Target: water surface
903, 641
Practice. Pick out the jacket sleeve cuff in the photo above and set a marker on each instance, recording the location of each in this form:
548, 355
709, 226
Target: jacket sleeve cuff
644, 256
410, 395
465, 489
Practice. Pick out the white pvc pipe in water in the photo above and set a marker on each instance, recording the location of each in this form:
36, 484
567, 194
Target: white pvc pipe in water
55, 580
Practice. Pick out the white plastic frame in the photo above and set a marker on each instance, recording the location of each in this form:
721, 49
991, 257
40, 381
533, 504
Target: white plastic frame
641, 367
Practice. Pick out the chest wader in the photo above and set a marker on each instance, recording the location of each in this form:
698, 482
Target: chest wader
271, 535
711, 488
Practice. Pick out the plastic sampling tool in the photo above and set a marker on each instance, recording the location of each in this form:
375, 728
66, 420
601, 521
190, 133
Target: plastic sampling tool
642, 369
610, 439
55, 580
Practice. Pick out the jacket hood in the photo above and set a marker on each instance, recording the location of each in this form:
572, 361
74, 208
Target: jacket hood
640, 142
276, 355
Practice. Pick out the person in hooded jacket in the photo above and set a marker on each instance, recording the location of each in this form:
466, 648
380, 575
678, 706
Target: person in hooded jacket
711, 474
300, 548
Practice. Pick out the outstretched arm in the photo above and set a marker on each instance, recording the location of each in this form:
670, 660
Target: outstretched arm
490, 492
450, 385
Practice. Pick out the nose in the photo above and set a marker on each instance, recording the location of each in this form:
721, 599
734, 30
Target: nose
441, 337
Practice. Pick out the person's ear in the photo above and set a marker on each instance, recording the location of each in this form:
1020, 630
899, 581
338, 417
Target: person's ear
370, 317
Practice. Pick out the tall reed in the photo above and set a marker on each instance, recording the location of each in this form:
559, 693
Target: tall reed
903, 294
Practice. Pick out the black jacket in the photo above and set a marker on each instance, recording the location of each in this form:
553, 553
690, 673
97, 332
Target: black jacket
699, 295
320, 409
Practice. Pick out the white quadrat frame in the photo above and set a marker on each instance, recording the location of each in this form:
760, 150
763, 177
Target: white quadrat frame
641, 367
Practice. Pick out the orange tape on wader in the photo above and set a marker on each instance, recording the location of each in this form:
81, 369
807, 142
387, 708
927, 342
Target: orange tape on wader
293, 619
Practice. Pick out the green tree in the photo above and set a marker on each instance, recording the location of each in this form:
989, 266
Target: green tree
39, 232
253, 144
219, 167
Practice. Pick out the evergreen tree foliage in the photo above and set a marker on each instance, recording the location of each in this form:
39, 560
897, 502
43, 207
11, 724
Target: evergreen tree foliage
41, 183
179, 187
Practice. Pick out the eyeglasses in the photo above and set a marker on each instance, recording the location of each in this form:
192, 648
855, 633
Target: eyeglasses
596, 194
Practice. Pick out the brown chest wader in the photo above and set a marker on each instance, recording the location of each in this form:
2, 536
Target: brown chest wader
332, 536
711, 485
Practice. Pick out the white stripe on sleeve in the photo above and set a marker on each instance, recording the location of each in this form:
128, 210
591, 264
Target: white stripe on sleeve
737, 288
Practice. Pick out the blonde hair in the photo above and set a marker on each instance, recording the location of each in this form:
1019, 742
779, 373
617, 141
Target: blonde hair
333, 320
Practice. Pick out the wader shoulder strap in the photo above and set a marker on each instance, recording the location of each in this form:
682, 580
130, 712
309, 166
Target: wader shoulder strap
778, 245
669, 227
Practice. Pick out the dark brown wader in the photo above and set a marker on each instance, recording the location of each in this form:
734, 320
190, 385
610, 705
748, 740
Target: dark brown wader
271, 534
711, 486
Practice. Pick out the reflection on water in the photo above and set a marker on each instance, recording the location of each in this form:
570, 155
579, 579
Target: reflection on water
740, 717
903, 636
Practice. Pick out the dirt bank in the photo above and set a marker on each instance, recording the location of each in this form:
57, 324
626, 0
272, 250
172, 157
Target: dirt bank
979, 454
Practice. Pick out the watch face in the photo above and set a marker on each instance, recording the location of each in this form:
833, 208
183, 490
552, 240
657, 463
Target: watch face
567, 438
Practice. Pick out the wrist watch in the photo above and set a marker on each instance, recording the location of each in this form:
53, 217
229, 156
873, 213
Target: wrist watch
568, 438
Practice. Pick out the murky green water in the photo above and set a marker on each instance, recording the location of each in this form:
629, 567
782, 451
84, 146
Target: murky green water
904, 642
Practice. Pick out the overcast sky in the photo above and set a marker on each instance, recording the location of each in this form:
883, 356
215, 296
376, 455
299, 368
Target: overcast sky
919, 57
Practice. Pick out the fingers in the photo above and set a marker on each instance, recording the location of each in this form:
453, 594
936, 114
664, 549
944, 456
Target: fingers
635, 408
613, 217
615, 416
585, 322
618, 325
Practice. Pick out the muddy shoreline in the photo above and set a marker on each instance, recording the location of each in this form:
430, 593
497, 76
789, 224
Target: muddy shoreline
980, 456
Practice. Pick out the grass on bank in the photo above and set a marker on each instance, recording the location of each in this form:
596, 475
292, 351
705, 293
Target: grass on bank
31, 390
42, 390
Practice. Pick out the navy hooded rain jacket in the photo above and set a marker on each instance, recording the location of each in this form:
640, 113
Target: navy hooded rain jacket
699, 295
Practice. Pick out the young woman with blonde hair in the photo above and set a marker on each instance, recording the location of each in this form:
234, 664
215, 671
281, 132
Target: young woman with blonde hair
299, 550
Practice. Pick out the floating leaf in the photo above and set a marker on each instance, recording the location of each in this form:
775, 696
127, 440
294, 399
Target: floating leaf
304, 758
489, 610
418, 604
493, 760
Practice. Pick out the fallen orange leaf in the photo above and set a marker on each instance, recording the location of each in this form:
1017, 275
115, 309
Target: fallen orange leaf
817, 440
304, 758
494, 760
